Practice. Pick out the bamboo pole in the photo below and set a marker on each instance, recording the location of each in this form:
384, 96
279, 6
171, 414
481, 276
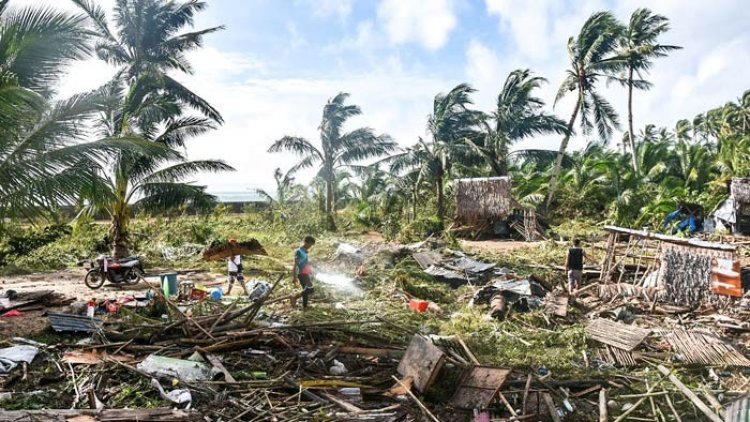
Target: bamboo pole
690, 395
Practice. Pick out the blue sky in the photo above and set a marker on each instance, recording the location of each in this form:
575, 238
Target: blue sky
273, 67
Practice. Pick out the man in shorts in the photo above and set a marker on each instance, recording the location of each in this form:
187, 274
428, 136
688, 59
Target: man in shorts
303, 271
574, 265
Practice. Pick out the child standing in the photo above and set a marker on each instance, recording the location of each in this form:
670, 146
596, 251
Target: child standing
234, 270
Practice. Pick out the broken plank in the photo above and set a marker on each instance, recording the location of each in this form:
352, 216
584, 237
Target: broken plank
551, 407
214, 360
478, 387
422, 361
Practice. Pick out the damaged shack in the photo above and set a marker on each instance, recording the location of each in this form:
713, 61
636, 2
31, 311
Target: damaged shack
485, 206
671, 269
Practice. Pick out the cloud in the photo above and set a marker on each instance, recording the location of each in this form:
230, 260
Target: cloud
259, 109
428, 23
327, 8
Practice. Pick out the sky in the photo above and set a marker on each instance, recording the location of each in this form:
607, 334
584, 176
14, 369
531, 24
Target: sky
272, 68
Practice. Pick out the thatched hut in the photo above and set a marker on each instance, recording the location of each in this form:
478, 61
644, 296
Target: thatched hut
740, 190
481, 200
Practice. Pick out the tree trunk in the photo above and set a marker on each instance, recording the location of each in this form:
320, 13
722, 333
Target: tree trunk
631, 134
561, 153
118, 234
502, 164
330, 211
440, 198
415, 196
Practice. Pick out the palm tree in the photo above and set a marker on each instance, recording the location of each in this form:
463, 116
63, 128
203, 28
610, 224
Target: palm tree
144, 101
639, 46
590, 55
451, 125
338, 149
43, 161
147, 44
517, 115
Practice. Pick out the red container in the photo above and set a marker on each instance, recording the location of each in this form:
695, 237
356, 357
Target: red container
418, 305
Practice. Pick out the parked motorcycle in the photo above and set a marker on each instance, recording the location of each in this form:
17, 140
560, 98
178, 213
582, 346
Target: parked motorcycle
118, 271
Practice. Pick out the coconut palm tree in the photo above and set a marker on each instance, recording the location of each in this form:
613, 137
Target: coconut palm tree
338, 149
591, 57
146, 43
451, 124
44, 162
639, 47
518, 115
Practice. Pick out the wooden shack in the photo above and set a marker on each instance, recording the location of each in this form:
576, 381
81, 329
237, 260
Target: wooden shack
673, 269
483, 202
740, 191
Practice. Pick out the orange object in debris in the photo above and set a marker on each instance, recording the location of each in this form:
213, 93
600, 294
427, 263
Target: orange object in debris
419, 305
726, 278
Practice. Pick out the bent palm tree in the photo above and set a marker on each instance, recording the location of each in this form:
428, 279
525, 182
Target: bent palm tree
337, 149
517, 115
451, 124
145, 101
639, 47
590, 58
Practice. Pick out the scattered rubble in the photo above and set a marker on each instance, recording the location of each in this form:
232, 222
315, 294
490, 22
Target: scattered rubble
640, 353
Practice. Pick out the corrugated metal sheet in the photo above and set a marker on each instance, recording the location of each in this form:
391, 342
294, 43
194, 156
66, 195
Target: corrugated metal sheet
76, 323
738, 410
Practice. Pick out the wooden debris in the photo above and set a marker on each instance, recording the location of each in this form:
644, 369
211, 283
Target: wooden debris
690, 395
617, 357
478, 387
214, 360
557, 305
551, 408
105, 415
638, 403
626, 337
416, 400
422, 361
705, 349
603, 405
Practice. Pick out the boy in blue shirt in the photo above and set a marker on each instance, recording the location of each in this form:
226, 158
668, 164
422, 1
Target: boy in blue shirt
303, 271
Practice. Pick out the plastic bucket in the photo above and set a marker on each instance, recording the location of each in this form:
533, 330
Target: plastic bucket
216, 294
169, 284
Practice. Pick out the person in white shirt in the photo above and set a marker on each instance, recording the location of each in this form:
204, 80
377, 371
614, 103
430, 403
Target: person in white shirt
234, 269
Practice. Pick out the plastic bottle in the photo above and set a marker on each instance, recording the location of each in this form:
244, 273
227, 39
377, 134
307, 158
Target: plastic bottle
91, 308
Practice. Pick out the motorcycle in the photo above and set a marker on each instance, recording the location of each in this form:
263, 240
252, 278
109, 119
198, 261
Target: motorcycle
118, 271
